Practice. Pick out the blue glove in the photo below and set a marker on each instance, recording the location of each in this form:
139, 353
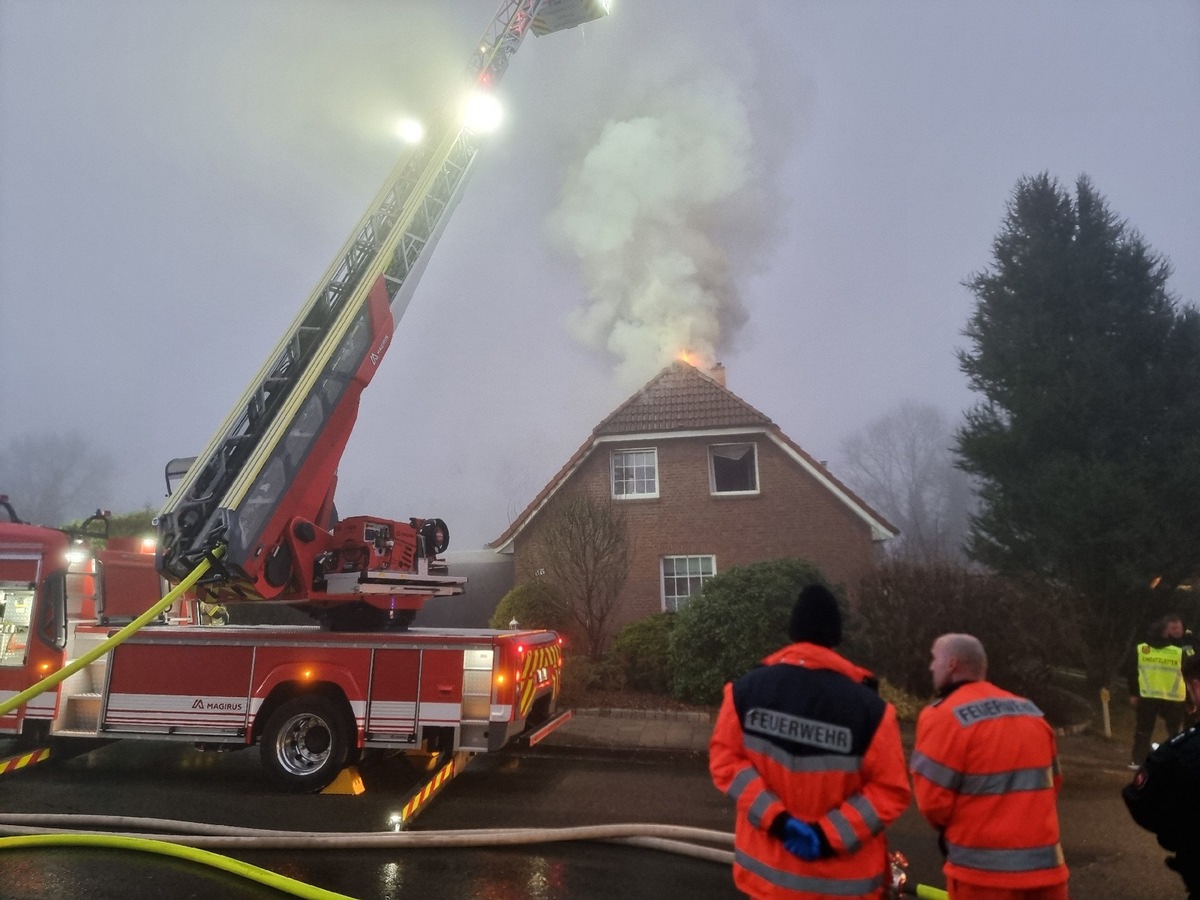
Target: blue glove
801, 840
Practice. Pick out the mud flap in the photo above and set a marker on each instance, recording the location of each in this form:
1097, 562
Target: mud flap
533, 737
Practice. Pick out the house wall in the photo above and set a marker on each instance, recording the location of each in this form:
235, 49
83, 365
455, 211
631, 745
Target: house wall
792, 515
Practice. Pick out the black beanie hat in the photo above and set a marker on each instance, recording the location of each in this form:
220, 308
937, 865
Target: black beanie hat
816, 617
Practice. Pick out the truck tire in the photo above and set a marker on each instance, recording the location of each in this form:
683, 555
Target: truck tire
305, 743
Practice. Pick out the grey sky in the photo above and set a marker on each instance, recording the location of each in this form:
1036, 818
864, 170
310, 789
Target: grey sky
175, 177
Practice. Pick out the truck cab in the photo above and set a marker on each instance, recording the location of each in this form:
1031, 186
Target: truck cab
59, 594
33, 587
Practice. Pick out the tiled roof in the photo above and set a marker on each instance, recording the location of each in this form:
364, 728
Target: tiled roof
681, 398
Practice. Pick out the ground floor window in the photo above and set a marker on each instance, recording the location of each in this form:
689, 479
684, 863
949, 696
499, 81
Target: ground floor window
683, 577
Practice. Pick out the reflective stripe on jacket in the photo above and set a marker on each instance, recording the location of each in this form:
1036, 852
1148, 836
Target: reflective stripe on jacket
803, 735
1159, 675
985, 773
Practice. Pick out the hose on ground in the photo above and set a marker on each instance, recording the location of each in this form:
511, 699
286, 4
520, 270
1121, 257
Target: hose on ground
187, 840
195, 834
178, 851
200, 837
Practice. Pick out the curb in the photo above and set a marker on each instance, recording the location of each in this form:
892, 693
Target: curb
676, 715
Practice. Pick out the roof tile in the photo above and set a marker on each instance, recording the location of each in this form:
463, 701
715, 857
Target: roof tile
681, 398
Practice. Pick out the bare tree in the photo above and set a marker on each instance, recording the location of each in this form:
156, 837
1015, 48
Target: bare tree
904, 465
52, 478
585, 547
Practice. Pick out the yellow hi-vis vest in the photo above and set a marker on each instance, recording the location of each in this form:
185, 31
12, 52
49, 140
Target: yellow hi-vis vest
1159, 676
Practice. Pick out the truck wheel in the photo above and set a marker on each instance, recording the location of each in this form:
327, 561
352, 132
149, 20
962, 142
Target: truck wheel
305, 743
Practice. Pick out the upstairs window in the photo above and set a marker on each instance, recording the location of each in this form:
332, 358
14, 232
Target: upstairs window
683, 577
733, 468
634, 473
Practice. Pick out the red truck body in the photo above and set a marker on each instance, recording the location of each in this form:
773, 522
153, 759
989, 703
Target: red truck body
402, 689
313, 699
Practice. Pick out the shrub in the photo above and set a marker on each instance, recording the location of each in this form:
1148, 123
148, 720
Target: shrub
534, 604
640, 652
904, 606
740, 617
907, 706
582, 674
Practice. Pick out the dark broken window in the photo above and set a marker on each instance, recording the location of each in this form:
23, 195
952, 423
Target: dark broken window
734, 468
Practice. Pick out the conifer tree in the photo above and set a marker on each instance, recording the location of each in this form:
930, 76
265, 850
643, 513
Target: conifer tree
1086, 444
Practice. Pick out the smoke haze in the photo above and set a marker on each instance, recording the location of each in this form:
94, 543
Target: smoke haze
176, 177
646, 212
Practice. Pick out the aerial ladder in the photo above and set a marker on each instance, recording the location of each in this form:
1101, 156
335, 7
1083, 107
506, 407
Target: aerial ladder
262, 491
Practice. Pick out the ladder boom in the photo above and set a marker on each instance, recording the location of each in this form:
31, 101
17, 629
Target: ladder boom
275, 457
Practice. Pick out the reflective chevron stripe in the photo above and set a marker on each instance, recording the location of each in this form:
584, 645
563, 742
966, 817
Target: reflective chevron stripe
433, 785
536, 658
13, 763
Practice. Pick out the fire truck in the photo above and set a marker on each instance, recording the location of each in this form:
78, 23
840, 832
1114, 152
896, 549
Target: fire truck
251, 520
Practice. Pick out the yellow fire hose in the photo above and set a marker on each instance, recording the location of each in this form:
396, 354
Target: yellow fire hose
166, 848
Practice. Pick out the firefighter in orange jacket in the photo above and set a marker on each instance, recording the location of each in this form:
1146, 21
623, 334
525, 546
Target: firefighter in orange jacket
985, 773
812, 756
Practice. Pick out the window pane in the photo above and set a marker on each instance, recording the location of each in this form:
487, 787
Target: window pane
684, 577
634, 473
734, 468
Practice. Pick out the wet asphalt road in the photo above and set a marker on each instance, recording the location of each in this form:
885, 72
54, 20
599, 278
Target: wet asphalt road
554, 787
543, 789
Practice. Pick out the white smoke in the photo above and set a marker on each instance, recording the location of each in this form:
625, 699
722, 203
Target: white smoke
650, 211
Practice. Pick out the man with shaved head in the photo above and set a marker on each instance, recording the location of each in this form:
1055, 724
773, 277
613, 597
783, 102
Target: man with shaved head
985, 775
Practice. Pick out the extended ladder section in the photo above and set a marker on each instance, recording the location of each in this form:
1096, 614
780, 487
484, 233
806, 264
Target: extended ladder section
275, 457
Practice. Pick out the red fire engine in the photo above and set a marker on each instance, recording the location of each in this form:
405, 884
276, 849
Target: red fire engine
252, 517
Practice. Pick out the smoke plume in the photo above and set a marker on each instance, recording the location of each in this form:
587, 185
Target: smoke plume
654, 211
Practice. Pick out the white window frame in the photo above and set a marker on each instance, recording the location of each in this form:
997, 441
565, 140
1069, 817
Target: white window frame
712, 474
678, 599
612, 474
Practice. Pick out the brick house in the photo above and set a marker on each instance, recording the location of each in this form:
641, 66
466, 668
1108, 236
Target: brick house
706, 482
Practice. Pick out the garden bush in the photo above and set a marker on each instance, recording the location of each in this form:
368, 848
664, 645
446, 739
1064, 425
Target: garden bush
534, 604
641, 653
582, 674
904, 606
740, 617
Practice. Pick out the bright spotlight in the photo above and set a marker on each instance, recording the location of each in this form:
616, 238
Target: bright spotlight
483, 113
410, 131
